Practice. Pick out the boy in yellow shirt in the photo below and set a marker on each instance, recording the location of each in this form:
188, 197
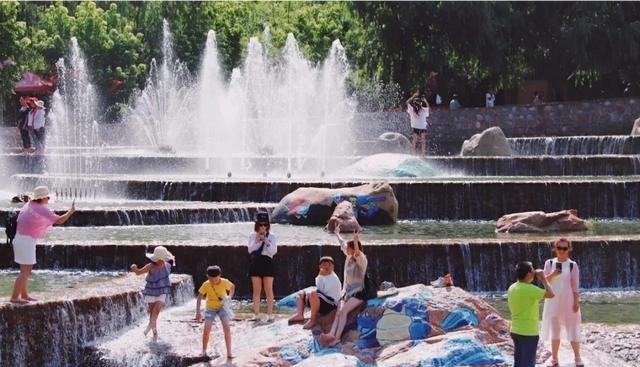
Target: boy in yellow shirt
216, 290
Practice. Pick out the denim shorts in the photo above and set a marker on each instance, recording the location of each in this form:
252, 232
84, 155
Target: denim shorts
210, 314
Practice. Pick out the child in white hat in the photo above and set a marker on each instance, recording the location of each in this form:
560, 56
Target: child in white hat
158, 283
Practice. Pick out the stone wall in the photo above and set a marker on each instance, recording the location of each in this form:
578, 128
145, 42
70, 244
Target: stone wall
450, 128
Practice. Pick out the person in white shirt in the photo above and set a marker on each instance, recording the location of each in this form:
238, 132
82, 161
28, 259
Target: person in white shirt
490, 99
35, 123
323, 299
262, 248
418, 110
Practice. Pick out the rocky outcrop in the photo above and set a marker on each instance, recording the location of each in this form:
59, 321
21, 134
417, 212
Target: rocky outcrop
373, 203
564, 220
490, 142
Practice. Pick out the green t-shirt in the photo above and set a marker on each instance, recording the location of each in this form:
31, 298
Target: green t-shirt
524, 300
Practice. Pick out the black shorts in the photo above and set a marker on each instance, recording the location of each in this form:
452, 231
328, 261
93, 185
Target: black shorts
262, 266
325, 307
419, 131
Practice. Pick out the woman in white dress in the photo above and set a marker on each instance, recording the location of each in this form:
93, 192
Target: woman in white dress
561, 317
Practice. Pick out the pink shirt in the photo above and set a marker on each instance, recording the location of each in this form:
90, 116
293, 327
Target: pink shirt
35, 219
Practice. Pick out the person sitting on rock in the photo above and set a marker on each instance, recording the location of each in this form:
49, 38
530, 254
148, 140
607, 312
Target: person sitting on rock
353, 288
324, 299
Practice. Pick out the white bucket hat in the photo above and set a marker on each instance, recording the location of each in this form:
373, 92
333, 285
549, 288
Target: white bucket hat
40, 103
160, 253
40, 192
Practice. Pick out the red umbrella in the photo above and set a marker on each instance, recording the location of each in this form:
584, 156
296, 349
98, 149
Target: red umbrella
33, 84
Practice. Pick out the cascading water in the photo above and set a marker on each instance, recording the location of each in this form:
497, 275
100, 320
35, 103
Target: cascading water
74, 135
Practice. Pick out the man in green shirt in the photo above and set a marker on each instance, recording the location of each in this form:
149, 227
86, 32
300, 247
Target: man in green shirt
524, 300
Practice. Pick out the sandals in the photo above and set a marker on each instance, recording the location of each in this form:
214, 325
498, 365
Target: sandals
553, 364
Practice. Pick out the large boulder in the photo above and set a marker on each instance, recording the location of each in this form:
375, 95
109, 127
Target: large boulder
373, 204
564, 220
490, 142
387, 165
635, 131
420, 325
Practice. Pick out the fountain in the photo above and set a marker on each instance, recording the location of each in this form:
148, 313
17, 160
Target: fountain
198, 155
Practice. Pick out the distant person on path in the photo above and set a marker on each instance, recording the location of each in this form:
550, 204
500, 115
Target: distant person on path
34, 221
353, 287
537, 98
433, 88
418, 110
262, 248
158, 284
454, 104
324, 299
490, 99
524, 299
36, 123
561, 317
23, 120
218, 292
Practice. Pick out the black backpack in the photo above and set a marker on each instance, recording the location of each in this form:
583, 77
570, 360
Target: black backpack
11, 226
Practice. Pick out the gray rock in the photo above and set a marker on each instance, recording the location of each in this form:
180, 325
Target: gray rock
490, 142
391, 142
635, 131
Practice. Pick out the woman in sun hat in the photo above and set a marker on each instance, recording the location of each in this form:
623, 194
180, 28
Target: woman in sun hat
262, 247
34, 221
158, 283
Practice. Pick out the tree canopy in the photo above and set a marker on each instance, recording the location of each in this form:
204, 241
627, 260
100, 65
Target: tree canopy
474, 46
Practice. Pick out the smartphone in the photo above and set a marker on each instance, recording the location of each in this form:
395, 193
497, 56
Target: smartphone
559, 267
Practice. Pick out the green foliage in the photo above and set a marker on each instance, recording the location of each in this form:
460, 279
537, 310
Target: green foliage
392, 45
12, 42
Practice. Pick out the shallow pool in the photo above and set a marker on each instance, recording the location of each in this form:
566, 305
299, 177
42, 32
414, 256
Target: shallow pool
237, 233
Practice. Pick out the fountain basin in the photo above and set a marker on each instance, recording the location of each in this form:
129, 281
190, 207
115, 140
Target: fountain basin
453, 166
53, 331
444, 198
476, 265
124, 213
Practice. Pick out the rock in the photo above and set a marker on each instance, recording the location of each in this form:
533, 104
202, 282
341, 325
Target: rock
564, 220
374, 204
635, 130
345, 217
391, 142
388, 165
490, 142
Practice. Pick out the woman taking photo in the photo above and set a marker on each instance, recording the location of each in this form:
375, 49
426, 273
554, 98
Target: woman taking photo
34, 221
561, 316
262, 247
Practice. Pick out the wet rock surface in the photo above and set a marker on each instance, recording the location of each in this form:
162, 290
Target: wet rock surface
450, 328
619, 341
564, 220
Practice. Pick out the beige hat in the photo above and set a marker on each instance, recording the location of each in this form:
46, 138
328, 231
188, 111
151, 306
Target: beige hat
40, 192
160, 253
40, 103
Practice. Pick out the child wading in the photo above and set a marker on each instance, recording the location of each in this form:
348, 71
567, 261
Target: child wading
218, 291
158, 284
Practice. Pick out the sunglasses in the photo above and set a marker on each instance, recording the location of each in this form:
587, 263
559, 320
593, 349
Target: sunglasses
562, 248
